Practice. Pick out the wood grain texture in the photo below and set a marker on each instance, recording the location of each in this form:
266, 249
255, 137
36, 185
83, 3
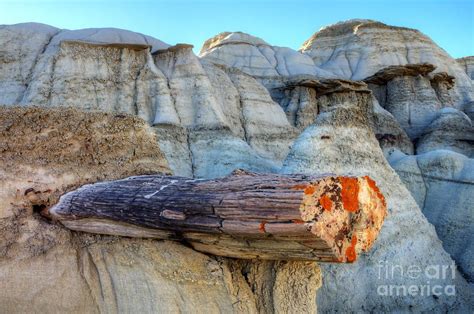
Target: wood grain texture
245, 215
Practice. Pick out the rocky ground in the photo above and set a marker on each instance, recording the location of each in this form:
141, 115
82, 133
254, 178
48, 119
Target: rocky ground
99, 104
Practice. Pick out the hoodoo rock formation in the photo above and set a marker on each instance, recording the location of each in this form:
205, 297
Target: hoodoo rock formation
81, 110
357, 49
346, 143
411, 95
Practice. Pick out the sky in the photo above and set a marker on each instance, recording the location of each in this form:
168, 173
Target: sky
450, 23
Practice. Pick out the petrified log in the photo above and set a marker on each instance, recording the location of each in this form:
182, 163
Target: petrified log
245, 215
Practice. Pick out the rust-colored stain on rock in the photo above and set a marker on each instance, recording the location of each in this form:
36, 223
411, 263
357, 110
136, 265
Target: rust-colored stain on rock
325, 202
350, 193
351, 254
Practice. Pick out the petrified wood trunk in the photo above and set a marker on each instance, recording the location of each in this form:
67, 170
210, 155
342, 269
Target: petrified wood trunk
245, 215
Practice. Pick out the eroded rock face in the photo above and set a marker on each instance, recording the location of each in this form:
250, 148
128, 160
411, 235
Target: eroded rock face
85, 146
256, 57
298, 96
21, 46
467, 63
275, 67
57, 67
304, 98
277, 286
357, 49
97, 275
423, 105
412, 102
205, 110
226, 115
345, 143
442, 183
411, 94
389, 132
47, 152
451, 130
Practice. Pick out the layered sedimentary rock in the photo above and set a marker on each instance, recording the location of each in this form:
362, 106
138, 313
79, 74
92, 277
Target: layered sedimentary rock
467, 63
212, 117
442, 183
58, 68
47, 152
256, 57
224, 114
21, 46
33, 139
295, 90
356, 49
452, 130
298, 96
411, 94
279, 69
303, 98
388, 131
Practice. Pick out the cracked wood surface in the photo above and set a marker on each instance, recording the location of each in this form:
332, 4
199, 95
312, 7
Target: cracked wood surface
244, 215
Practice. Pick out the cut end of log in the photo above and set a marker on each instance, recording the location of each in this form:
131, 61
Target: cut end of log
346, 212
245, 215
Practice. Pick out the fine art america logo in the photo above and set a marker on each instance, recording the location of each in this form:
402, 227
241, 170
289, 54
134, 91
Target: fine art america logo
432, 278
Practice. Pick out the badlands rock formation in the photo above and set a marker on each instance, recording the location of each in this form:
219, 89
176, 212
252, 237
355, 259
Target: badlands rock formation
30, 54
201, 108
452, 130
357, 49
47, 152
412, 83
467, 63
411, 95
441, 182
246, 104
345, 143
254, 56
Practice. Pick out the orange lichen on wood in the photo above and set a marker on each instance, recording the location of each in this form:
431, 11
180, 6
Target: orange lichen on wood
325, 202
298, 221
351, 254
350, 193
261, 227
309, 190
376, 189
